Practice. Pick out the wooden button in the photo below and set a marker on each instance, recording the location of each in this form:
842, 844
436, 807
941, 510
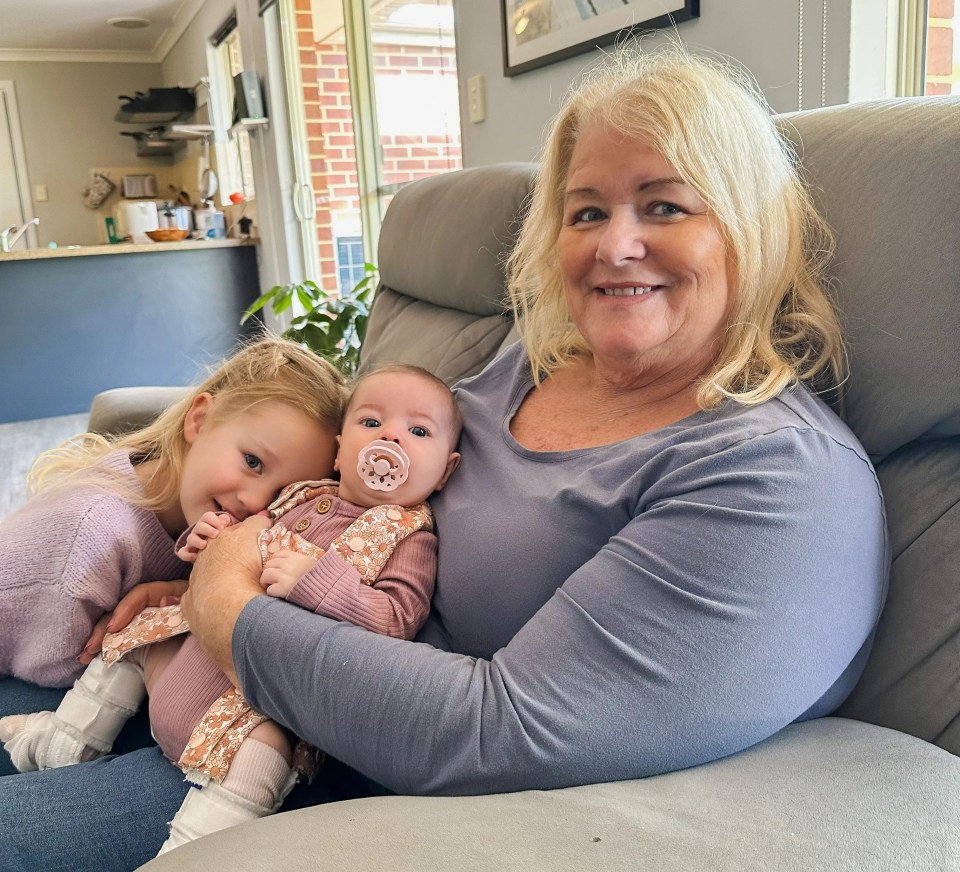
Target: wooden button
323, 506
302, 525
394, 514
356, 544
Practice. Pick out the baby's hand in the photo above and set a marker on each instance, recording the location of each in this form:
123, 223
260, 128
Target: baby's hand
207, 528
283, 570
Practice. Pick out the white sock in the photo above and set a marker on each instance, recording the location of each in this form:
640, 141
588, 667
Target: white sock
256, 784
84, 725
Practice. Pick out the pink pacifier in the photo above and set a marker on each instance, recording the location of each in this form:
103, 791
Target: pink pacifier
383, 465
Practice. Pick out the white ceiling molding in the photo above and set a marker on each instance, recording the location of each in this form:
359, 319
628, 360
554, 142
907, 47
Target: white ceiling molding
185, 13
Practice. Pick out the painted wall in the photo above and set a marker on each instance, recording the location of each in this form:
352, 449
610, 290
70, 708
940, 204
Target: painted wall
760, 34
66, 115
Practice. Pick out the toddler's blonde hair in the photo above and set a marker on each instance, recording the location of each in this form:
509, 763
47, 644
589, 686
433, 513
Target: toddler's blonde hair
268, 369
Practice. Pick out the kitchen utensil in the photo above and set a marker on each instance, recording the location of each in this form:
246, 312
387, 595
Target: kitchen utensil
209, 184
209, 223
136, 217
97, 191
178, 217
168, 234
135, 186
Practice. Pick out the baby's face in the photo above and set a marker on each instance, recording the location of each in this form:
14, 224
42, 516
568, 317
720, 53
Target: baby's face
410, 411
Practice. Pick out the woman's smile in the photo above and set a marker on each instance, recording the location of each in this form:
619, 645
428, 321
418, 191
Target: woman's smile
643, 260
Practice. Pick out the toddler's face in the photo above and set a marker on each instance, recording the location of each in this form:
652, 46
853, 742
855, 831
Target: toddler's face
239, 464
414, 413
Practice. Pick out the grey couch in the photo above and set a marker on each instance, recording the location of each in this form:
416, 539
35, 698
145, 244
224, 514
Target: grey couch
876, 787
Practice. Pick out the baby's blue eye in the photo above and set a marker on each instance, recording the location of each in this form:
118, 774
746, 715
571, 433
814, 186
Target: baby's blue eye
419, 431
253, 462
369, 422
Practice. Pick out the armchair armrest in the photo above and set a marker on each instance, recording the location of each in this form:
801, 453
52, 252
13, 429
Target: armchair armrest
828, 794
122, 410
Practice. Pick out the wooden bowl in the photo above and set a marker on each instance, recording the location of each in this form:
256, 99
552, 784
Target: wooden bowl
168, 234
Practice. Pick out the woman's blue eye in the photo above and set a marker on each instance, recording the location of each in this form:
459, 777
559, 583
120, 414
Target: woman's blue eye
419, 431
667, 209
253, 462
369, 422
585, 216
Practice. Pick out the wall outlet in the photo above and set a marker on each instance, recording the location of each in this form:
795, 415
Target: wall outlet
477, 98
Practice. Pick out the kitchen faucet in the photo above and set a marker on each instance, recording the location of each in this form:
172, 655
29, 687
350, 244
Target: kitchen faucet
7, 241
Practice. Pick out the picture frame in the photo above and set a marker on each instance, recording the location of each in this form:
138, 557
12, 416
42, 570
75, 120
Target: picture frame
541, 32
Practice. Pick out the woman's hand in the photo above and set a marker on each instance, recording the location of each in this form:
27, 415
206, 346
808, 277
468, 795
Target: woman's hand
225, 578
148, 593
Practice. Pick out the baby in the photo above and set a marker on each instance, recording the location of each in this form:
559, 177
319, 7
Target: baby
361, 550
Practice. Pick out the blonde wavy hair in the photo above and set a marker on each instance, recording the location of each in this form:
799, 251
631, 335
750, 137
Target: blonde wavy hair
712, 124
268, 369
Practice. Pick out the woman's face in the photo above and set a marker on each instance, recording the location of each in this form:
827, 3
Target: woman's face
644, 264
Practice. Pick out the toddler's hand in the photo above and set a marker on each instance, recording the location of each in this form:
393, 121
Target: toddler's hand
283, 570
207, 528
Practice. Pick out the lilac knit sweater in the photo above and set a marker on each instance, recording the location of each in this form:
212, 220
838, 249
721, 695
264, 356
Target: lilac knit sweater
66, 557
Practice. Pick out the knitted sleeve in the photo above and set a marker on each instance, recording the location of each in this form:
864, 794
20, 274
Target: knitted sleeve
396, 605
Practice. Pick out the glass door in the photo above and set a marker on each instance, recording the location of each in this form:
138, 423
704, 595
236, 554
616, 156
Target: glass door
374, 105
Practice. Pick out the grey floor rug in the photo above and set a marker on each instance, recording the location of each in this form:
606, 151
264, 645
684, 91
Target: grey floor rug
20, 443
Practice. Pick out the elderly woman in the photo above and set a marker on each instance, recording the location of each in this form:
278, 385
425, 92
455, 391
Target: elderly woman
693, 552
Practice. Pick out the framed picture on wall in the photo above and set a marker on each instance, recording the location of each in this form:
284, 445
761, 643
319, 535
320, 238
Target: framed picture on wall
541, 32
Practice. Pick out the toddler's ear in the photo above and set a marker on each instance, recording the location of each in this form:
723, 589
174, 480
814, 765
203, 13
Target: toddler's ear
336, 460
196, 415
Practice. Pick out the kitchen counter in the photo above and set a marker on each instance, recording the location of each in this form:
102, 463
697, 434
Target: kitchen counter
122, 248
77, 321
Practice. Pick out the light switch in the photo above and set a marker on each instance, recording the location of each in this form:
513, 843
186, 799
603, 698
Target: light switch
477, 98
40, 193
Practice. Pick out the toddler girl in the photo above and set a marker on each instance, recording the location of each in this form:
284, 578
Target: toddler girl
107, 512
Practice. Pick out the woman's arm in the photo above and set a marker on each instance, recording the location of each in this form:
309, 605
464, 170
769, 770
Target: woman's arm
225, 577
731, 607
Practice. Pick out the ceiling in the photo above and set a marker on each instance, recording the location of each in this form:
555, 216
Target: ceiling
78, 30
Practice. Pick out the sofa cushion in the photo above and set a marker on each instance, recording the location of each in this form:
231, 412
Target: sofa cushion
910, 682
441, 302
444, 239
884, 175
828, 794
450, 343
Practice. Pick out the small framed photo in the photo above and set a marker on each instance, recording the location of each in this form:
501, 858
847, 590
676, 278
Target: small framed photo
541, 32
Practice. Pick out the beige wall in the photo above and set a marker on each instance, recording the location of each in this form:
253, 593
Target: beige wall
66, 114
761, 34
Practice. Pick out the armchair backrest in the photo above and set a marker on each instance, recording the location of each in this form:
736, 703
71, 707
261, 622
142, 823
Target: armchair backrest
884, 175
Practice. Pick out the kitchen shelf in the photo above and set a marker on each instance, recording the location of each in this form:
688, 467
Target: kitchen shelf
250, 123
189, 131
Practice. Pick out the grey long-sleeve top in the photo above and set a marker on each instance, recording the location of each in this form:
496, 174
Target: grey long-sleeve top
603, 613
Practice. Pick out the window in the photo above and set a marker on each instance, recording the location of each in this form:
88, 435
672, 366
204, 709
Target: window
350, 261
231, 151
942, 68
928, 50
373, 96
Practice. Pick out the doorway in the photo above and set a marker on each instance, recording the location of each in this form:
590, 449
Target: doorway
374, 105
15, 203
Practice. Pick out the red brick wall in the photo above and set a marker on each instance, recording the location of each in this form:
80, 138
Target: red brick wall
326, 96
939, 46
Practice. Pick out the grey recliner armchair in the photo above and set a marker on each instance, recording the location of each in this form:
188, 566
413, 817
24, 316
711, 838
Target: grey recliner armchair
876, 787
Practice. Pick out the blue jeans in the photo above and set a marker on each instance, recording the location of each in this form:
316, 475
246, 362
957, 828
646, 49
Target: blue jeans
110, 815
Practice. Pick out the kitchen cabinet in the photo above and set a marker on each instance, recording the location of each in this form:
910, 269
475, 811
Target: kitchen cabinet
74, 322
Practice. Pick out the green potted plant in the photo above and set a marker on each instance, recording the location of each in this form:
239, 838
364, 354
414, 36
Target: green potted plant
332, 325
